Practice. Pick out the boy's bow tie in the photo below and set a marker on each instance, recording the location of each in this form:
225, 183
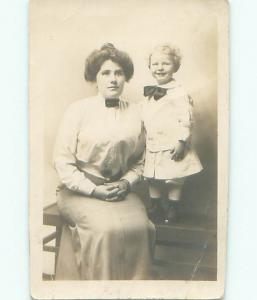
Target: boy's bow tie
154, 91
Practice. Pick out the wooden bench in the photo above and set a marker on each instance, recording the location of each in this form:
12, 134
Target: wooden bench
51, 217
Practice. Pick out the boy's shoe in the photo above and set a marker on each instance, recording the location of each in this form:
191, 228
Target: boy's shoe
171, 214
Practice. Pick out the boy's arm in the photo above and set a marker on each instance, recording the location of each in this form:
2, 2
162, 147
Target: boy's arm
186, 120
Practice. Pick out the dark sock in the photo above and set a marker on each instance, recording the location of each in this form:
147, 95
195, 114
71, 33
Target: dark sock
154, 212
173, 203
155, 202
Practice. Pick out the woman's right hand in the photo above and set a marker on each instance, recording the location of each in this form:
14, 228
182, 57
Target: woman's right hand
107, 193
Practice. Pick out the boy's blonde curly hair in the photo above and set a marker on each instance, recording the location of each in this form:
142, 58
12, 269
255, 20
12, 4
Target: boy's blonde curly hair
171, 50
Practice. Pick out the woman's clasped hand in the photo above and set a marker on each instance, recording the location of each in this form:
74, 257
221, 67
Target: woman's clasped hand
113, 191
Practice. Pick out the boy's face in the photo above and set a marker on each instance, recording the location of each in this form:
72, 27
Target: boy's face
161, 67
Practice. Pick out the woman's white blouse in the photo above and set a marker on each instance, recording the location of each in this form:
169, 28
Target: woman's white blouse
104, 142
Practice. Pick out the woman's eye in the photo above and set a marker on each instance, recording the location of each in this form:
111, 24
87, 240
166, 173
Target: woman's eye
119, 73
105, 72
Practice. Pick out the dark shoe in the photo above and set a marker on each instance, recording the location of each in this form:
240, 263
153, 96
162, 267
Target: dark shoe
171, 215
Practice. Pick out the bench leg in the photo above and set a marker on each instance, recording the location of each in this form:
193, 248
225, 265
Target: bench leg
57, 245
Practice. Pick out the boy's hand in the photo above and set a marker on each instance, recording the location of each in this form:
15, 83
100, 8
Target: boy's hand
178, 152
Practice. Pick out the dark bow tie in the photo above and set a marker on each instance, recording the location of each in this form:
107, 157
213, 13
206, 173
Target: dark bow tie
112, 102
154, 91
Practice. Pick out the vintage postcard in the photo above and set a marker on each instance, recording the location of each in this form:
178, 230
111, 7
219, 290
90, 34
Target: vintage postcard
129, 116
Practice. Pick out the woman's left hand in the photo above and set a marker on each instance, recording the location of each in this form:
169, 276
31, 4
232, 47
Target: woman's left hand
123, 186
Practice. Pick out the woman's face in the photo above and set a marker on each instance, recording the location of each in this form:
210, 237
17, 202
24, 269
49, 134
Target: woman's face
161, 67
110, 79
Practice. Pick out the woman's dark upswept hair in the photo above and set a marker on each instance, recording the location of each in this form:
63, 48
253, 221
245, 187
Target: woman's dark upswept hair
107, 52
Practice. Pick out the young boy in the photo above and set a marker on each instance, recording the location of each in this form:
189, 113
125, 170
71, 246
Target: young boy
167, 116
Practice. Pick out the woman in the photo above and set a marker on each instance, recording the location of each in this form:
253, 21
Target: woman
98, 157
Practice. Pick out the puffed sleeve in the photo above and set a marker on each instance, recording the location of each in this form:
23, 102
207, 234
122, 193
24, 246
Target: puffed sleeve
186, 119
135, 172
65, 152
136, 166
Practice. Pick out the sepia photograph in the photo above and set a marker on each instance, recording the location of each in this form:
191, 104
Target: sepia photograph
128, 149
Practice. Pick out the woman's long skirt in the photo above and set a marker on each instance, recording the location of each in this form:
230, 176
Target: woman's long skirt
110, 240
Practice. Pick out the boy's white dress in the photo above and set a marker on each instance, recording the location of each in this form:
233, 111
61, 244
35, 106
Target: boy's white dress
166, 122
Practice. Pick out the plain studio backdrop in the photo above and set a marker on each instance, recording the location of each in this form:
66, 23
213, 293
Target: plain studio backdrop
64, 32
242, 220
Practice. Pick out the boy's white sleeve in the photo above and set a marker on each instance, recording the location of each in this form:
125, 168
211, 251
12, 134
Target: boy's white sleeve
186, 120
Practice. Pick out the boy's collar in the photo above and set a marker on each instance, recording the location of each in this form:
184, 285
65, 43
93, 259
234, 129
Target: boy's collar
170, 85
